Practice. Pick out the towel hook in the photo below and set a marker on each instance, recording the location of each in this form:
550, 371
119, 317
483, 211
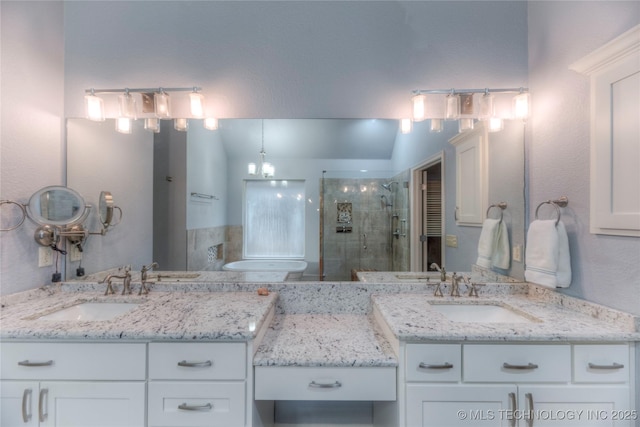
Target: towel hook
501, 205
557, 204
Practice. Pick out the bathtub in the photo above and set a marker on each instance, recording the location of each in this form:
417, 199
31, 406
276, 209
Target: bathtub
293, 267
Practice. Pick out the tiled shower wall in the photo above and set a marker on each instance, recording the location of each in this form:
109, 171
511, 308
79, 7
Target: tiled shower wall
369, 244
205, 249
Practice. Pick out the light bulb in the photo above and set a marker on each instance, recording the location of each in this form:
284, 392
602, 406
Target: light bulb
418, 107
197, 104
94, 106
211, 123
123, 125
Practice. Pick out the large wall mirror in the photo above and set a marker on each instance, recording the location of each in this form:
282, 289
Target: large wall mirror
183, 191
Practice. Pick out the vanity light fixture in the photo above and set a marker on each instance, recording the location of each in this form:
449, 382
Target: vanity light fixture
155, 101
181, 125
459, 105
211, 123
265, 169
94, 106
406, 125
124, 125
152, 124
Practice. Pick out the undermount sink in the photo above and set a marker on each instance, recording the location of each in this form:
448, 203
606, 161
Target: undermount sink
480, 313
91, 311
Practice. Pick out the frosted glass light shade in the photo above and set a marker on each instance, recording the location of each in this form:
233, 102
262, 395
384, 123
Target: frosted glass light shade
465, 125
211, 123
128, 107
520, 106
485, 107
162, 105
405, 126
451, 107
268, 170
251, 169
94, 106
419, 107
123, 125
436, 125
152, 125
197, 104
181, 124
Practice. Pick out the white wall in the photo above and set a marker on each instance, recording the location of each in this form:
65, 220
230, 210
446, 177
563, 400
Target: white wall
606, 269
32, 126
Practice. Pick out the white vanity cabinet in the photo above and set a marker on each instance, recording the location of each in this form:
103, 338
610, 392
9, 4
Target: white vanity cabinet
72, 385
197, 384
518, 385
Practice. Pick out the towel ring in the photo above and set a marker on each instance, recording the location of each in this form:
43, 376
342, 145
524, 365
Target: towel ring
501, 205
557, 204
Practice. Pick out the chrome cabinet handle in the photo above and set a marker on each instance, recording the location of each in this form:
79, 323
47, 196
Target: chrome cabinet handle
529, 366
32, 364
513, 407
26, 407
186, 364
186, 407
445, 365
41, 404
335, 384
529, 398
612, 366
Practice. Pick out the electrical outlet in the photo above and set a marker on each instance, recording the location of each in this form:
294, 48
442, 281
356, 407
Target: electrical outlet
74, 253
517, 253
451, 240
45, 256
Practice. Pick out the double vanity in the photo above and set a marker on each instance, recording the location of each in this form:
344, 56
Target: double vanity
199, 352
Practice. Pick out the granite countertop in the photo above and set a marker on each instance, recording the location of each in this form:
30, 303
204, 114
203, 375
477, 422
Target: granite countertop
192, 316
313, 340
554, 317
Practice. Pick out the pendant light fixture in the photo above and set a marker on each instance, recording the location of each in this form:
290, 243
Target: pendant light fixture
264, 169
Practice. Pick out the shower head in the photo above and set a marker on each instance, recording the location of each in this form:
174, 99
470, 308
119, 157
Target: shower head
387, 186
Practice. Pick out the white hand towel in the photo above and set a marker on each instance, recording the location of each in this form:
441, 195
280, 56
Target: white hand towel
493, 246
548, 261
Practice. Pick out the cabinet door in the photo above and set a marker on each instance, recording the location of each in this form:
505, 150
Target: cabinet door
18, 403
93, 404
471, 177
583, 406
447, 405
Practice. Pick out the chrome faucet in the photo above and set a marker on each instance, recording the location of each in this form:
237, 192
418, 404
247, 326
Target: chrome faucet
443, 273
126, 288
144, 289
455, 291
126, 281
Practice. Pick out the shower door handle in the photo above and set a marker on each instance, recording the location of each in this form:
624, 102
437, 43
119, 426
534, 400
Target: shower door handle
364, 240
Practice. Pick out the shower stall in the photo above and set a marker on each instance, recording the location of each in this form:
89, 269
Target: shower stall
364, 224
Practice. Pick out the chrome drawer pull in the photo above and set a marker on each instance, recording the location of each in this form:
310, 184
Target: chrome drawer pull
186, 407
530, 412
186, 364
314, 384
612, 366
513, 407
445, 365
525, 367
26, 416
27, 363
41, 403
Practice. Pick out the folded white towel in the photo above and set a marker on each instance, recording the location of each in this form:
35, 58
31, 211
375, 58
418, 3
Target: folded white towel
493, 246
547, 259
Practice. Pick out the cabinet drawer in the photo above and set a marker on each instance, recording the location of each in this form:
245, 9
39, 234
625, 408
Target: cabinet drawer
516, 363
70, 361
197, 361
433, 362
306, 383
194, 404
601, 363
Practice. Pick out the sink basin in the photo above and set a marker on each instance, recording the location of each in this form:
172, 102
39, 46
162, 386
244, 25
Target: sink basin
91, 311
480, 313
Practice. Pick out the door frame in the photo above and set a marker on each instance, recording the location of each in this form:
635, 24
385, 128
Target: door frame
415, 190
